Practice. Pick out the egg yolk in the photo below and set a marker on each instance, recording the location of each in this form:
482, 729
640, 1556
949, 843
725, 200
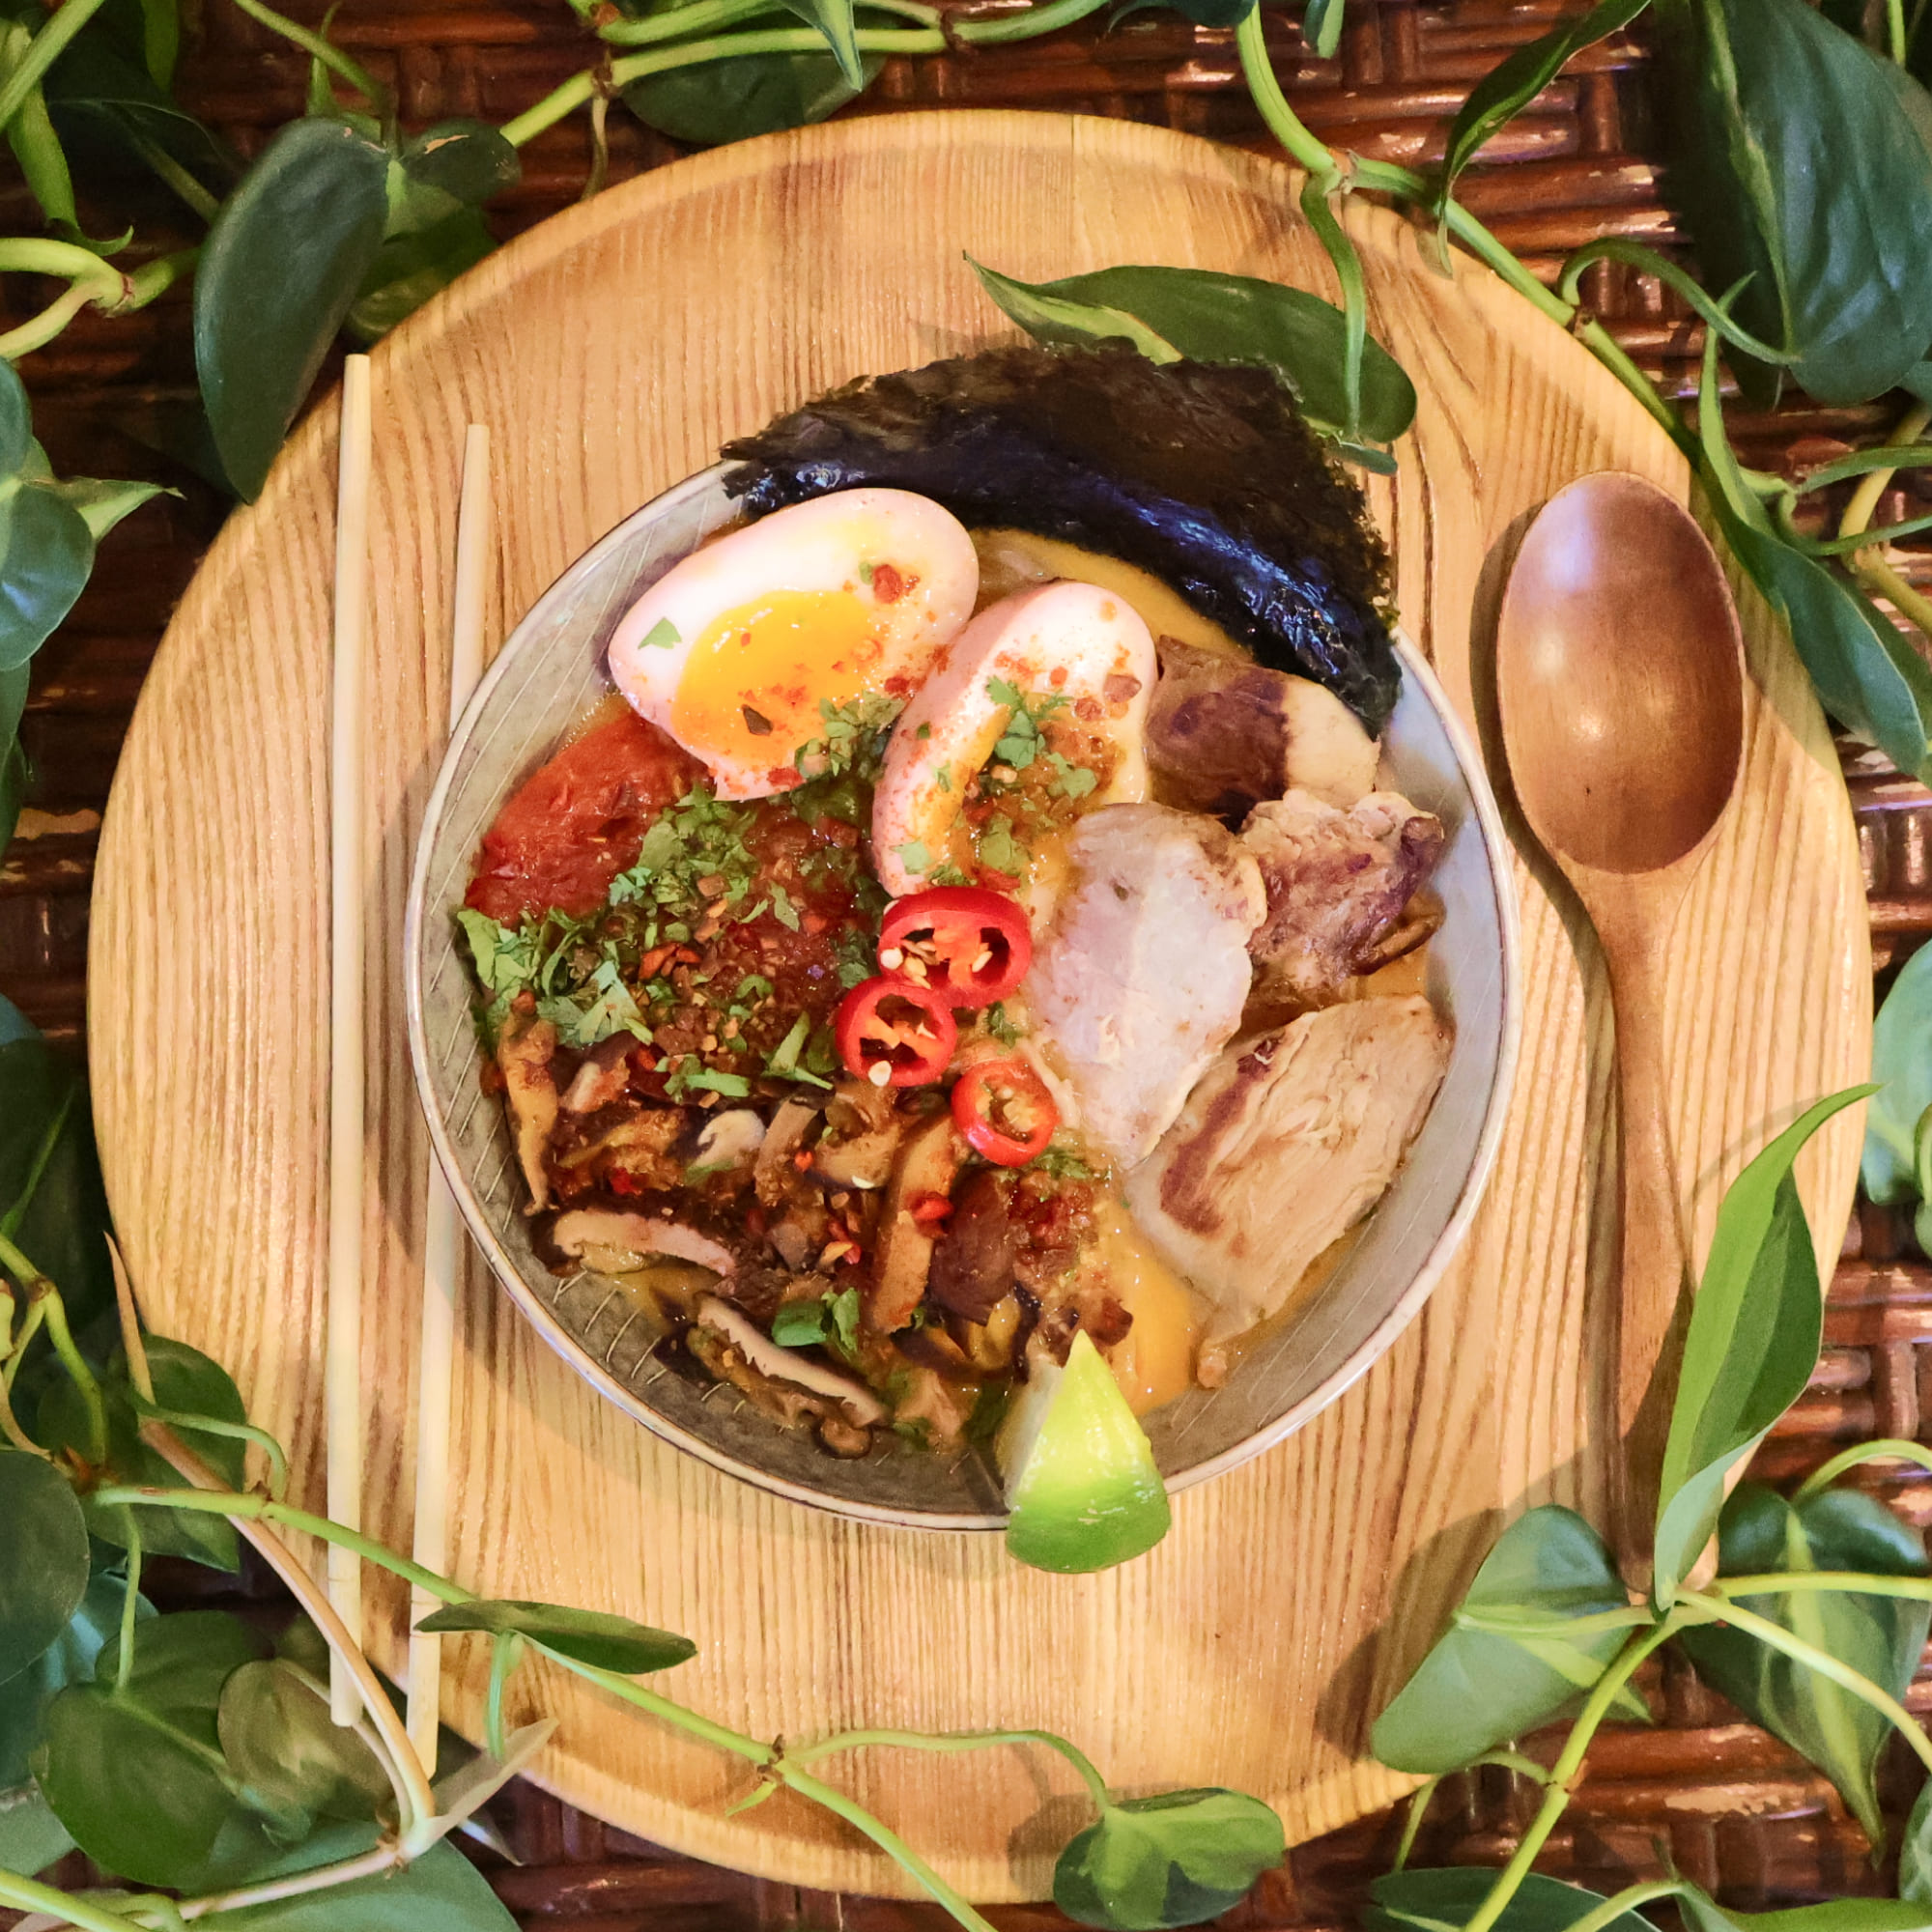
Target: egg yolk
753, 682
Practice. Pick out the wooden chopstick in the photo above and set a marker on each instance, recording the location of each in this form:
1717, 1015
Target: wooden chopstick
443, 1236
347, 872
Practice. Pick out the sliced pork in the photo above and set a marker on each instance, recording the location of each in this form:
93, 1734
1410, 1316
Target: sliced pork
1143, 975
1284, 1145
1339, 886
1224, 732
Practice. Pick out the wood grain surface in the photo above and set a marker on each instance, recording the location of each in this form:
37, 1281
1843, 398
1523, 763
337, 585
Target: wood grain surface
609, 350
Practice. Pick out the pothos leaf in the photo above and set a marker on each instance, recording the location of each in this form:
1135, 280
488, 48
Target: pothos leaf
1703, 1914
410, 267
1752, 1342
1429, 1900
1881, 1637
17, 420
68, 1660
1902, 1065
1168, 313
278, 1735
1215, 12
439, 1891
1322, 26
1176, 1859
44, 1561
1915, 1849
834, 18
1803, 166
1509, 87
103, 504
278, 272
1527, 1640
591, 1637
754, 94
135, 1771
43, 568
469, 161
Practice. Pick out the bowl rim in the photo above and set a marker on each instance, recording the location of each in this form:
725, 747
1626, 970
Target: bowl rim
543, 1319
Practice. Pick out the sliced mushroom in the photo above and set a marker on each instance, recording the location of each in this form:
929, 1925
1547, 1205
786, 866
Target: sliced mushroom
642, 1136
609, 1232
728, 1138
603, 1076
865, 1161
525, 1049
931, 1400
928, 1162
783, 1139
862, 1407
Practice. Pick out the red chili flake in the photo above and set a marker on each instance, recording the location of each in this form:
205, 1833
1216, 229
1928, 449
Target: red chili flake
931, 1210
622, 1184
889, 584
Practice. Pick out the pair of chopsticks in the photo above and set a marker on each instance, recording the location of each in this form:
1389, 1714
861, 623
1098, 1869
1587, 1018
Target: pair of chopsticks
443, 1240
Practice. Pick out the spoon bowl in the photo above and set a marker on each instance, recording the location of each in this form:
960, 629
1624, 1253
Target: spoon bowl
1620, 684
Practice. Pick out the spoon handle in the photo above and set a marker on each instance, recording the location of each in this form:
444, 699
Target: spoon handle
1651, 1300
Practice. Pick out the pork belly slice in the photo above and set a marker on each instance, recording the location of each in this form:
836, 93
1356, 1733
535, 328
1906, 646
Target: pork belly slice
1141, 977
1224, 732
1284, 1145
1339, 886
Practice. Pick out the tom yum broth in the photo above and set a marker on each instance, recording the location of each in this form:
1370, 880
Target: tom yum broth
948, 940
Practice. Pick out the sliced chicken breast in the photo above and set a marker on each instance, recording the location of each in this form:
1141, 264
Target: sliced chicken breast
1284, 1145
1141, 979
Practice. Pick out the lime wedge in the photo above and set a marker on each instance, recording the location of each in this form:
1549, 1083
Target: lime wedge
1080, 1483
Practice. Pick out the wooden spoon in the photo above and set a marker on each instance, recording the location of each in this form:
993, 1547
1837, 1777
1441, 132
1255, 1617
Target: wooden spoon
1620, 684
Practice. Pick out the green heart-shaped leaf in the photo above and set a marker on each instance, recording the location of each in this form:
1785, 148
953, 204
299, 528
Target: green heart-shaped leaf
48, 553
278, 272
278, 1735
136, 1773
1208, 317
1802, 164
439, 1891
589, 1636
1429, 1900
43, 1558
1522, 1644
1881, 1637
1902, 1063
468, 159
1176, 1859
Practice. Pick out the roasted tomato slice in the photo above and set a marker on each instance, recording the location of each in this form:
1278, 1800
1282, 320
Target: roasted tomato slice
1003, 1110
895, 1034
968, 943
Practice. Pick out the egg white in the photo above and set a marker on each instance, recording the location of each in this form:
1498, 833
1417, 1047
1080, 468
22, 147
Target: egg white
737, 647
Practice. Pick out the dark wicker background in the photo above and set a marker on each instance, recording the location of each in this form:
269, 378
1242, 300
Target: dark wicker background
1726, 1804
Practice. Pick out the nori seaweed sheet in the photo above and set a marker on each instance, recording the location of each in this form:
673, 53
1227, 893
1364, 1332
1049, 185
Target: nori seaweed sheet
1202, 474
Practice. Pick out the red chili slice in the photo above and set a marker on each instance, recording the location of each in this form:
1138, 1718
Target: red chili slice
895, 1034
970, 944
1003, 1110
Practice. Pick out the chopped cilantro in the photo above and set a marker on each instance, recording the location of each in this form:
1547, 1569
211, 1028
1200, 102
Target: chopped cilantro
1000, 1026
661, 637
1001, 850
866, 573
1071, 780
783, 908
832, 1319
753, 988
913, 855
692, 1075
923, 732
857, 959
781, 1064
942, 776
948, 875
1061, 1163
1020, 743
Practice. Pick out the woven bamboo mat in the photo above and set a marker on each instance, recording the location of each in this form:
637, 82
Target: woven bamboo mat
1727, 1806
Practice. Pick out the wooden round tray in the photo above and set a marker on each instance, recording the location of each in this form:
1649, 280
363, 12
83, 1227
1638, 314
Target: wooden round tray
610, 350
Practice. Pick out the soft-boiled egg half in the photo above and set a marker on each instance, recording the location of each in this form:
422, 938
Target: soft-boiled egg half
1072, 642
733, 650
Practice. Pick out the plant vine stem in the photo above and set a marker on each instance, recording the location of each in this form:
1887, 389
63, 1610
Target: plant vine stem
1865, 500
1556, 1798
575, 92
1910, 604
1851, 1582
1412, 1820
334, 59
248, 1514
1626, 1900
1775, 1636
25, 1892
129, 1602
1895, 29
888, 1841
959, 1741
1307, 149
30, 1326
1869, 568
1044, 17
1888, 1448
414, 1800
47, 47
48, 1298
370, 1865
